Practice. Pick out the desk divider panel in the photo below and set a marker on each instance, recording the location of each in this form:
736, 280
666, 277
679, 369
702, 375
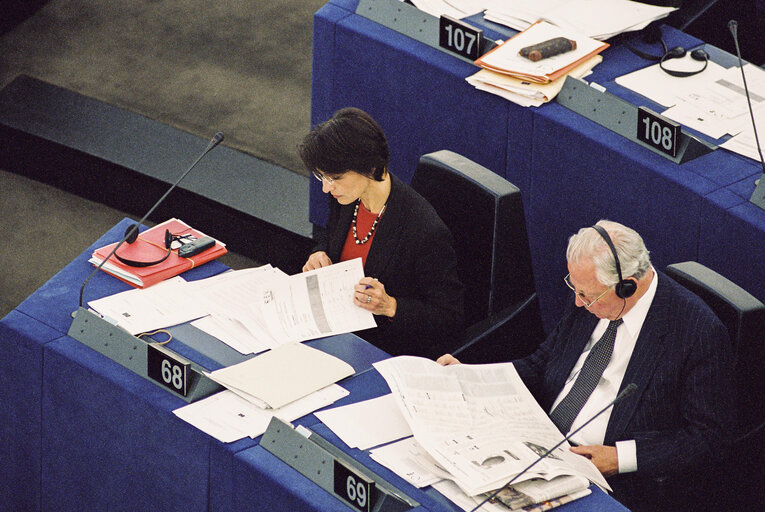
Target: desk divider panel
621, 117
317, 459
133, 353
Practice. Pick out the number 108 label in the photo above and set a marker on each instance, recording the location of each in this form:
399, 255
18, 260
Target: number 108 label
657, 131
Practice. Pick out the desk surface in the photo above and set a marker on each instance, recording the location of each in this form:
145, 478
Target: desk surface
83, 433
571, 171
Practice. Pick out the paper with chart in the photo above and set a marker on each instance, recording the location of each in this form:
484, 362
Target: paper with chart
314, 304
480, 423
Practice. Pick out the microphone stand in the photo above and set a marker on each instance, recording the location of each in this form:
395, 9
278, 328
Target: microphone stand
217, 138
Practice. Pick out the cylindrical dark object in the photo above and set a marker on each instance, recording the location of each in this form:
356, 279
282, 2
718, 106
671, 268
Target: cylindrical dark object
548, 48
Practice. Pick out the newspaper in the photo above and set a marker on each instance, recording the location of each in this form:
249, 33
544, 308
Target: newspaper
480, 424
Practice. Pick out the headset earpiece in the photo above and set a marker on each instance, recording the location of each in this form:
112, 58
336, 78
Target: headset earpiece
131, 233
678, 52
133, 236
625, 288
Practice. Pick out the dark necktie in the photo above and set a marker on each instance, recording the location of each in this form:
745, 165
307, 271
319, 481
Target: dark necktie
592, 370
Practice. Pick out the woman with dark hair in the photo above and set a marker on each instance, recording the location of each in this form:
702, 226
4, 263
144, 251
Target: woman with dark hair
411, 283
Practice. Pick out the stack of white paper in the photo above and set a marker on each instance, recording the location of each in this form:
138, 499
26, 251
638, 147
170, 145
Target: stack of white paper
481, 426
251, 310
282, 375
599, 19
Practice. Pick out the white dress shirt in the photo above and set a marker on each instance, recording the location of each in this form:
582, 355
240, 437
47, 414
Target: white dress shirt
610, 382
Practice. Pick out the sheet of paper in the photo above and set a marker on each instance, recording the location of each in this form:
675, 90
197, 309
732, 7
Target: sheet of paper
284, 374
402, 458
745, 143
144, 310
366, 424
479, 422
228, 417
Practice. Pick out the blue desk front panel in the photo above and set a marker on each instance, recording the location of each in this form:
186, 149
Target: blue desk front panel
110, 440
22, 340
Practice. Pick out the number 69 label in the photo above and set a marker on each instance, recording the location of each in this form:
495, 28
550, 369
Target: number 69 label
657, 131
353, 488
167, 370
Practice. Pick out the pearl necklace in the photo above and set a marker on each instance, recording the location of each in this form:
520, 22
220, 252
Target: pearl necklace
374, 224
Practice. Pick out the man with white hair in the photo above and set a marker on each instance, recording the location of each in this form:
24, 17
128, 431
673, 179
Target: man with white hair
629, 323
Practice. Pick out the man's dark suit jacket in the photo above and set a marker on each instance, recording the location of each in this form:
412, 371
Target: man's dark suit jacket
680, 414
412, 254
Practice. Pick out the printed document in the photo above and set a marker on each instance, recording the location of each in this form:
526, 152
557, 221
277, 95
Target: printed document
480, 423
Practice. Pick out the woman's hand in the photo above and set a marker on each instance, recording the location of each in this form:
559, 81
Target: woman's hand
447, 359
370, 294
317, 260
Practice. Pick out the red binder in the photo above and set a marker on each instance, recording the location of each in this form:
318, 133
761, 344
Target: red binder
150, 246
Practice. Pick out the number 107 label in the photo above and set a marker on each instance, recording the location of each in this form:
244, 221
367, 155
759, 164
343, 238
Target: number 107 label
657, 131
460, 38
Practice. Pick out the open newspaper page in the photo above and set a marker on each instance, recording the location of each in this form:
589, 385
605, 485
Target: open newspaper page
480, 423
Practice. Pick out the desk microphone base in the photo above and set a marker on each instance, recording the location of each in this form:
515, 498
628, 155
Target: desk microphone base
133, 353
316, 458
758, 196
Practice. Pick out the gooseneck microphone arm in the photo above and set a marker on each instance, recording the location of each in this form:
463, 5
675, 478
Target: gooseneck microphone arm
217, 139
627, 391
733, 27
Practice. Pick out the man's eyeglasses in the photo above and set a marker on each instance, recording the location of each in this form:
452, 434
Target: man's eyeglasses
323, 177
580, 295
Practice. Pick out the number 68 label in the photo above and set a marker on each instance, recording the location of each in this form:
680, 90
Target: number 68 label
167, 370
657, 131
353, 488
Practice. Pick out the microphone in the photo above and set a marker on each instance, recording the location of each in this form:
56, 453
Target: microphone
217, 139
760, 190
627, 391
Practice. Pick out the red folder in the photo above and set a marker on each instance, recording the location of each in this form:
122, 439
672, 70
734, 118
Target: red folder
150, 246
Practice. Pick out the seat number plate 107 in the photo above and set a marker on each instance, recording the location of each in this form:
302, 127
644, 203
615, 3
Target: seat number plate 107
460, 38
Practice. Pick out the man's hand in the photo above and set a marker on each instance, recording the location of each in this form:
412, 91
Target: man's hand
447, 359
604, 457
317, 260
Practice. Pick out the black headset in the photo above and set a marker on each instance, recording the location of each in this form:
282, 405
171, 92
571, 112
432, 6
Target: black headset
625, 287
652, 35
131, 235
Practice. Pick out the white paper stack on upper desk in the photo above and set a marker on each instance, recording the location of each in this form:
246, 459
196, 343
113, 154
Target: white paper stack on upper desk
527, 94
599, 19
282, 375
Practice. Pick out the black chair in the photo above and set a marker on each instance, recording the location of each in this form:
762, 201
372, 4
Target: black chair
484, 212
744, 317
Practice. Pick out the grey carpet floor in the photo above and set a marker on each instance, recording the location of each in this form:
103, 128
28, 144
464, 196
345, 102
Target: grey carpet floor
243, 67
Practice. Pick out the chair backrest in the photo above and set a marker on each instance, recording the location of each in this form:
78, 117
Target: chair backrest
744, 316
484, 212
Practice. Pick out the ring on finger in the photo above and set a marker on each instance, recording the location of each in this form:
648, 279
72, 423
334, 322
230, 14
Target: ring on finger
369, 299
